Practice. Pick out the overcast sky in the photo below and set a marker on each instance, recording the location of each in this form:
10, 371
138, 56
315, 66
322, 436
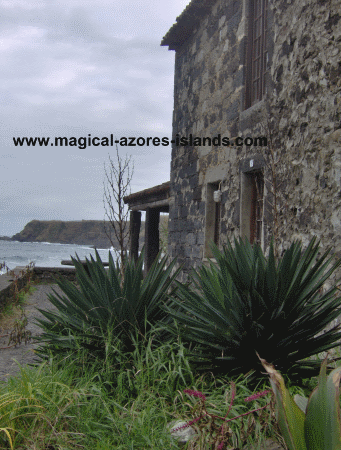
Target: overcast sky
73, 68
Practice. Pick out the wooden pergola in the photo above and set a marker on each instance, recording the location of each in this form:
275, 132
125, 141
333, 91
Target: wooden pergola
154, 201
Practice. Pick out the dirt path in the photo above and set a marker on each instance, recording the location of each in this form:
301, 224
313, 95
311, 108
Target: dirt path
24, 353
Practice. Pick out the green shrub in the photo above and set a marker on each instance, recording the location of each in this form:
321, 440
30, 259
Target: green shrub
105, 309
249, 303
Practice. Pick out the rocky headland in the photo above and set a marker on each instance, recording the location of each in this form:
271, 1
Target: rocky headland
84, 232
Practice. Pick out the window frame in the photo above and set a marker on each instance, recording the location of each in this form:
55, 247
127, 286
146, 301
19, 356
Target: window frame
257, 206
257, 52
252, 206
212, 219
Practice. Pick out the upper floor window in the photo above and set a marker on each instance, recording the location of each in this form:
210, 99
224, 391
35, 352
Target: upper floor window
257, 53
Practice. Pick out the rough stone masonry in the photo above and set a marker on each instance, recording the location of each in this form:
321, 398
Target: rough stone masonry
299, 113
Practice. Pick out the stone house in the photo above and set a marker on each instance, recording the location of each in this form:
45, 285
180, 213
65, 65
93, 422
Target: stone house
245, 70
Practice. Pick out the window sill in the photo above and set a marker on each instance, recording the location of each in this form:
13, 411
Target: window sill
254, 109
207, 260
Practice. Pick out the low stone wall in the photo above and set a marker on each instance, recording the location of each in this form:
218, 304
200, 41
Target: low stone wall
51, 273
15, 279
18, 279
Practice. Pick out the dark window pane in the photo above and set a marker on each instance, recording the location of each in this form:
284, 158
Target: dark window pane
258, 59
256, 216
217, 223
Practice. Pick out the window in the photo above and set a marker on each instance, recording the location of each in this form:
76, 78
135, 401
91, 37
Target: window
257, 53
216, 223
256, 213
252, 195
213, 218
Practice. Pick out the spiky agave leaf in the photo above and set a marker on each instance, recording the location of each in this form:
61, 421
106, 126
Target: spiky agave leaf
249, 303
99, 305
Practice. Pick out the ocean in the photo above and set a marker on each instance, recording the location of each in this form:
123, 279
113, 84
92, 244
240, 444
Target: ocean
44, 254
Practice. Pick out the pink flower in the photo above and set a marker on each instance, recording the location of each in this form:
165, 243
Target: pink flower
220, 446
195, 393
257, 395
188, 424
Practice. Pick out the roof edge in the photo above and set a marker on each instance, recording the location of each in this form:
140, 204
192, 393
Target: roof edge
159, 190
186, 23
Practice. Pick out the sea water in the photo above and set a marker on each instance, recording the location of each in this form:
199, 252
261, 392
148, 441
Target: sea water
45, 254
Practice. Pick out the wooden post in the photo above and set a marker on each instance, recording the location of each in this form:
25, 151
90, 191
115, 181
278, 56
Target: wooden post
151, 239
135, 225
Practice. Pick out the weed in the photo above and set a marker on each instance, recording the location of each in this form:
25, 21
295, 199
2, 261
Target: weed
13, 319
19, 332
12, 316
18, 295
219, 436
27, 275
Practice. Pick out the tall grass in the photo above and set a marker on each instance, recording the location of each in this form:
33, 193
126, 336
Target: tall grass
124, 403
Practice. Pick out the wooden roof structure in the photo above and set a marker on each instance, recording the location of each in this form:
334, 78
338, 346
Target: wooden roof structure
154, 197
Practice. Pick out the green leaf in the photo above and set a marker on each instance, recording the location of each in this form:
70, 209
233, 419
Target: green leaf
322, 426
301, 402
289, 416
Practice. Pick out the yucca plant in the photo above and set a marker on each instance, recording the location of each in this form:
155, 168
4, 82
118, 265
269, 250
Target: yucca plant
248, 302
103, 308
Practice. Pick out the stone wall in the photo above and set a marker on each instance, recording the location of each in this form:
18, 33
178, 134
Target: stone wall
18, 278
306, 100
50, 274
300, 113
11, 283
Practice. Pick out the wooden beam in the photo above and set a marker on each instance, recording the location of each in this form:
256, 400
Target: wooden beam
151, 239
135, 225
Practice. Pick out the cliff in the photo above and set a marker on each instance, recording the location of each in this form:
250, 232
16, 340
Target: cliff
85, 232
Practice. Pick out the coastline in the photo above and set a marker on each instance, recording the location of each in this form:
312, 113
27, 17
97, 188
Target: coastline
90, 246
46, 254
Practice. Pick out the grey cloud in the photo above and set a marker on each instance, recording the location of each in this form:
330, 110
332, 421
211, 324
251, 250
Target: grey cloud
70, 69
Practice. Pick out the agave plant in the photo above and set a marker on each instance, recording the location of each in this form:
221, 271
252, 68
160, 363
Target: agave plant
248, 303
104, 308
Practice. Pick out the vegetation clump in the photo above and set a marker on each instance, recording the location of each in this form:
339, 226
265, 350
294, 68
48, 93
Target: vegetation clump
106, 307
66, 403
13, 320
125, 354
248, 303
